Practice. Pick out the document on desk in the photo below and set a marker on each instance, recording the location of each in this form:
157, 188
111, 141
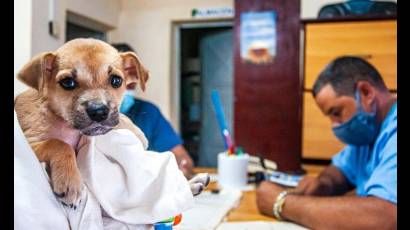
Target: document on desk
209, 210
260, 225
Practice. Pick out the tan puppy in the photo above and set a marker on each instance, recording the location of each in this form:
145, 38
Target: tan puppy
75, 90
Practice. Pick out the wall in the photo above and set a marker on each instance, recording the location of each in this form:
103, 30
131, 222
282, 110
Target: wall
103, 11
146, 26
310, 8
31, 25
22, 39
41, 40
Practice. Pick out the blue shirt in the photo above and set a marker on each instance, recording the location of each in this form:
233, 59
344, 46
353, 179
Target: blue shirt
373, 169
160, 134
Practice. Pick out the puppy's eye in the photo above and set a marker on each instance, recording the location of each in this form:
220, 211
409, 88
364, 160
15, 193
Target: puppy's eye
116, 81
68, 83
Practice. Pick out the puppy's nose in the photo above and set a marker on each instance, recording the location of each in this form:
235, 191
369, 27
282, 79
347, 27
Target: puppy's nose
97, 111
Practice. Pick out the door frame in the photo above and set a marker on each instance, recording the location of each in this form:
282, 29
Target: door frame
175, 91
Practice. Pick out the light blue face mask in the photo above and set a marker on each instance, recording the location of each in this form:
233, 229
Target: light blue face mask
127, 102
361, 129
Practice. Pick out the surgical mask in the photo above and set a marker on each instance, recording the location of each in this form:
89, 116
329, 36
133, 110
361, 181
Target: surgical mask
361, 129
127, 102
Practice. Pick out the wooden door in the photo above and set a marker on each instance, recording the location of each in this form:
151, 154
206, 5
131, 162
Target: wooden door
267, 111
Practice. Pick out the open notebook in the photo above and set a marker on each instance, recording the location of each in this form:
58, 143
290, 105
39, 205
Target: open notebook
260, 225
209, 210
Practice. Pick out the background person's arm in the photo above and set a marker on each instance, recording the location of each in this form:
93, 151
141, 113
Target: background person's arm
165, 138
184, 161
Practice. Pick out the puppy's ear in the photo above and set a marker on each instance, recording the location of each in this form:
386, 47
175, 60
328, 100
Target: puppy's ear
133, 69
37, 69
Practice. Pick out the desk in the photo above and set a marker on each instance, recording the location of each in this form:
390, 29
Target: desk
247, 209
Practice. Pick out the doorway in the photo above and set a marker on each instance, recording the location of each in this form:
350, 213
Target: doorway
74, 31
204, 62
78, 26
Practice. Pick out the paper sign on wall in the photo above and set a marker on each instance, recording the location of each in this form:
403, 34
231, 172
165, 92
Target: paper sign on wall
258, 37
220, 12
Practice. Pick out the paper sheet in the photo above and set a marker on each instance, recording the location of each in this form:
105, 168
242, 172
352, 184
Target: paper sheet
209, 210
260, 225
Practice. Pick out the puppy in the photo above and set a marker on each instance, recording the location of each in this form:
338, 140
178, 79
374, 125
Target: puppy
75, 91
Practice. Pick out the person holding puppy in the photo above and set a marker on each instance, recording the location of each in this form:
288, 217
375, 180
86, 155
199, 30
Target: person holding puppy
363, 113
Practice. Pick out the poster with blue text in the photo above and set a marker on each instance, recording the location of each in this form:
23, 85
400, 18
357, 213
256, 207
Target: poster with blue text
258, 37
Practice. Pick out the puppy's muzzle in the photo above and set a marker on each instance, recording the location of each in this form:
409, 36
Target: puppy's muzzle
97, 111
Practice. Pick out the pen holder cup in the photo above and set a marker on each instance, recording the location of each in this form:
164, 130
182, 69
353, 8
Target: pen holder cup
232, 170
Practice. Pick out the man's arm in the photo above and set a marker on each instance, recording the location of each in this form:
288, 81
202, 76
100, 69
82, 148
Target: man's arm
337, 212
342, 212
330, 182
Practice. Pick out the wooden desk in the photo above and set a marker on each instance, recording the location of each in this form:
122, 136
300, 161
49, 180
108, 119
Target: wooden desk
247, 209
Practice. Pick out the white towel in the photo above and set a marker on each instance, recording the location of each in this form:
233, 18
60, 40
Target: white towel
132, 185
126, 187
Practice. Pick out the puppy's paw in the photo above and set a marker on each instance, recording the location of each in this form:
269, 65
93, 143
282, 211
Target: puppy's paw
67, 185
198, 183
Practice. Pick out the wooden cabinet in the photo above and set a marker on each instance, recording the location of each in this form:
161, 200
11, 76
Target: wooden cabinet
373, 40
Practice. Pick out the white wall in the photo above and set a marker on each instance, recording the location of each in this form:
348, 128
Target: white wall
41, 40
22, 39
310, 8
103, 11
146, 26
31, 25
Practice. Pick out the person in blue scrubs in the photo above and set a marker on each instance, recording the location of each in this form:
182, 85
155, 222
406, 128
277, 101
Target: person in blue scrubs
158, 131
353, 95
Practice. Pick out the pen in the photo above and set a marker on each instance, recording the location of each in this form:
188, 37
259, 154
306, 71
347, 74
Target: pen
229, 146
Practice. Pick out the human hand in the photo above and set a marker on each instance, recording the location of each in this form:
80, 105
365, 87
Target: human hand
266, 194
184, 161
311, 186
186, 165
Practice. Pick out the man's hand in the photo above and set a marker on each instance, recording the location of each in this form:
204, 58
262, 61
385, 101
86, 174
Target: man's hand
266, 194
185, 163
311, 186
330, 182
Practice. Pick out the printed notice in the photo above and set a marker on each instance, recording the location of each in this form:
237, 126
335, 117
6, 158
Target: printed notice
258, 37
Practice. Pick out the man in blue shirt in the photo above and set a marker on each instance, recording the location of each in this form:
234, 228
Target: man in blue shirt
159, 133
363, 113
